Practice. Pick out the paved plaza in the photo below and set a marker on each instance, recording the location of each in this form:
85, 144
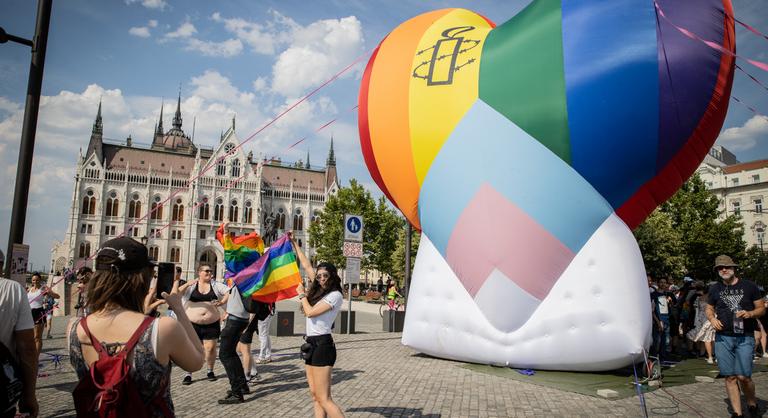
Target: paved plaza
375, 376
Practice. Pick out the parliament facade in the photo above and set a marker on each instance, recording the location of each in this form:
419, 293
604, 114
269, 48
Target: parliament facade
172, 195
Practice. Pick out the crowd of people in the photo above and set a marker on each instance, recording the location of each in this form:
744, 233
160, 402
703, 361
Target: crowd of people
722, 321
122, 348
117, 319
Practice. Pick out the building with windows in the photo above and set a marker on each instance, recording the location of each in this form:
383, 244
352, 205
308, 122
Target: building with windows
173, 194
741, 189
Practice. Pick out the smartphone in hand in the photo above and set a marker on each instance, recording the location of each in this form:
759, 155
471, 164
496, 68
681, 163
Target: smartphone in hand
165, 274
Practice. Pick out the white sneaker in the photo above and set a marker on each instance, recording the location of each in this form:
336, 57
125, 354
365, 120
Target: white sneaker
710, 361
765, 355
252, 379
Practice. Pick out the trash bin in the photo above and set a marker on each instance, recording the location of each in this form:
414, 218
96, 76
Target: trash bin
282, 324
393, 321
340, 325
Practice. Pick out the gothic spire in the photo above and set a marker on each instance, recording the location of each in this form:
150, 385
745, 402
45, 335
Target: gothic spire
177, 116
98, 125
331, 161
159, 126
307, 165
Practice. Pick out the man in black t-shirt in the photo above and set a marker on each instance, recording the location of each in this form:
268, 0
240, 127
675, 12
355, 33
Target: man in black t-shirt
732, 308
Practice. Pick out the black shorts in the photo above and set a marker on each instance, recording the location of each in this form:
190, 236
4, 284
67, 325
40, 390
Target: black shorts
323, 351
253, 327
208, 331
38, 315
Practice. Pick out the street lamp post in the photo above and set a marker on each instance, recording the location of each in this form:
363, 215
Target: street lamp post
27, 145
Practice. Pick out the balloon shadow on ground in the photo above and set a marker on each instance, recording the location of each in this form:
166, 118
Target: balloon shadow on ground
293, 380
394, 411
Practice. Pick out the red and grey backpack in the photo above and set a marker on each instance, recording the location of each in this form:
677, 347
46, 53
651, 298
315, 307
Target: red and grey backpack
108, 391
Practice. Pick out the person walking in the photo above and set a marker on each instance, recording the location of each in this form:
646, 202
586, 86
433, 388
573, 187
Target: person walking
320, 304
79, 293
121, 297
732, 308
702, 334
17, 340
265, 340
201, 299
244, 348
49, 305
36, 296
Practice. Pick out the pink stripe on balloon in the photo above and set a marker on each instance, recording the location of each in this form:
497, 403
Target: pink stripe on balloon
493, 233
714, 45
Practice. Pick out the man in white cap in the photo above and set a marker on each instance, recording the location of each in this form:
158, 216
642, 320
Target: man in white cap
732, 308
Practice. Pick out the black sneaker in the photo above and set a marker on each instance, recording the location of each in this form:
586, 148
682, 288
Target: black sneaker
211, 376
187, 380
753, 411
245, 390
232, 398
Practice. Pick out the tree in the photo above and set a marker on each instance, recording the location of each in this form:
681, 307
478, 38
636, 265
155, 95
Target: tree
380, 222
398, 256
694, 213
755, 266
661, 245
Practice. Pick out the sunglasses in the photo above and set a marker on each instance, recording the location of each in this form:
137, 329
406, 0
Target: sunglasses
718, 268
206, 271
326, 275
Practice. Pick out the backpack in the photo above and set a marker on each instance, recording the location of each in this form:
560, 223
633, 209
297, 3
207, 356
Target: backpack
260, 310
109, 391
11, 384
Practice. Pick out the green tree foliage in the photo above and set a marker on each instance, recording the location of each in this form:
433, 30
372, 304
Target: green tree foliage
398, 256
661, 245
755, 266
693, 212
380, 225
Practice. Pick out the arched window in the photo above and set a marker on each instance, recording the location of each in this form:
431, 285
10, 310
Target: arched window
221, 168
154, 253
248, 213
89, 203
316, 217
203, 212
157, 208
298, 220
235, 168
178, 211
233, 211
175, 255
85, 250
134, 207
280, 219
112, 204
218, 210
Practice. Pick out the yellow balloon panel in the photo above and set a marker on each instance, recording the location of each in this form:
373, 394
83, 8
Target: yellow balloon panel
443, 82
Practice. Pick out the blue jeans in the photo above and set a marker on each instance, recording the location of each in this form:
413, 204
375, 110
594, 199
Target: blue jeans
734, 354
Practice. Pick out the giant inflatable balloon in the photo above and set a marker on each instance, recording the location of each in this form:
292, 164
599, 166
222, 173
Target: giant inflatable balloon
525, 153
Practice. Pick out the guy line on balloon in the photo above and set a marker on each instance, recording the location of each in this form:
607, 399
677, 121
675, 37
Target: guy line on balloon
213, 163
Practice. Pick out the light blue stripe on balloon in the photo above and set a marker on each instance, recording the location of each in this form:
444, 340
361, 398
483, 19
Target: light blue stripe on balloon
612, 88
488, 148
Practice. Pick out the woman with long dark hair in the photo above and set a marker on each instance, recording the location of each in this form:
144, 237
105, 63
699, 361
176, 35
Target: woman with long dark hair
120, 299
320, 304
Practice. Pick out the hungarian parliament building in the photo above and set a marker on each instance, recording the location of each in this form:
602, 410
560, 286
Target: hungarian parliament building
172, 195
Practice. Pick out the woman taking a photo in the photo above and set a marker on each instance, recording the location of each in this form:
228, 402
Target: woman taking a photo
320, 304
201, 299
36, 295
120, 297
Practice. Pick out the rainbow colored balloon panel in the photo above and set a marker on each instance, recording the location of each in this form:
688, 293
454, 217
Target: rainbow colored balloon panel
510, 145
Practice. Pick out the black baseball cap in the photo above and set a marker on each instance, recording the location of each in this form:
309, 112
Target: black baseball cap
124, 254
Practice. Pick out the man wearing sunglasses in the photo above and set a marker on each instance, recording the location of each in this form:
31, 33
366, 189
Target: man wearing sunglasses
732, 308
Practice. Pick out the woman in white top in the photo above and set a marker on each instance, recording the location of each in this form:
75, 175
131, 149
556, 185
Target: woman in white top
320, 305
36, 296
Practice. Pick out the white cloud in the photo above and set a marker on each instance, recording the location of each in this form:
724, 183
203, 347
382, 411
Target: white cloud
259, 84
150, 4
228, 48
263, 38
140, 31
316, 52
744, 137
185, 30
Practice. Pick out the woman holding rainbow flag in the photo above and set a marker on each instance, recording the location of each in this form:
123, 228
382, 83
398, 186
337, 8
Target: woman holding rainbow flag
320, 305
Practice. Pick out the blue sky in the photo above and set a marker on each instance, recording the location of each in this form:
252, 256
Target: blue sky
249, 58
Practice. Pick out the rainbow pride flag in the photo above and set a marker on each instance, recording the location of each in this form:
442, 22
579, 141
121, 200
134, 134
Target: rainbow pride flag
272, 277
240, 251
